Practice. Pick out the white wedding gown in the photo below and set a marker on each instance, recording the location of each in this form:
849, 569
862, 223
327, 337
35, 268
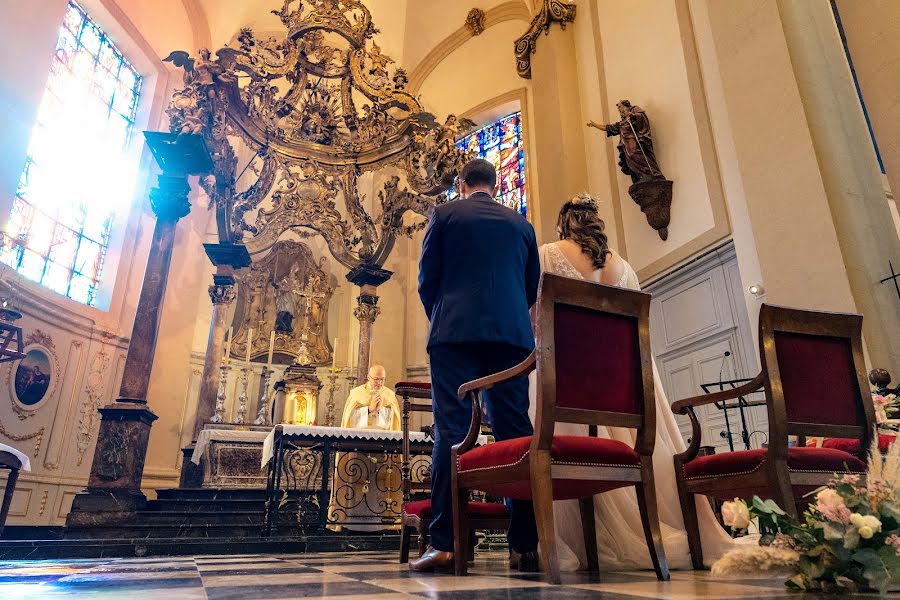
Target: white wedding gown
620, 536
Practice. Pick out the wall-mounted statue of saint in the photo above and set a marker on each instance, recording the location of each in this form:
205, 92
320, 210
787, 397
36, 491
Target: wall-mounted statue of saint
649, 188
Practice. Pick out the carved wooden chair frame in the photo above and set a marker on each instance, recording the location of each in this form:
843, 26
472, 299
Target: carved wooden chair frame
410, 392
775, 475
537, 467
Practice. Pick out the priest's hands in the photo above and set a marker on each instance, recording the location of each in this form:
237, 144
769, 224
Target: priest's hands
374, 403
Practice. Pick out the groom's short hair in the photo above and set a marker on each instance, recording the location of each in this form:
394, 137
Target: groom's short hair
479, 173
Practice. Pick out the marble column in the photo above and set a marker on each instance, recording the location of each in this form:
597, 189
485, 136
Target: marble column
366, 312
227, 258
368, 278
113, 493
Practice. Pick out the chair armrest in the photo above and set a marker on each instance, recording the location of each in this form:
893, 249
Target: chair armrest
681, 407
486, 383
413, 389
474, 428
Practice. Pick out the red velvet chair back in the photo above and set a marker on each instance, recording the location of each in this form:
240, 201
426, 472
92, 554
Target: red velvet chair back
593, 357
816, 378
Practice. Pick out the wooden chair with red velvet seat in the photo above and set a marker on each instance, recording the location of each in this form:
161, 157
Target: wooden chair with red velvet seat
416, 514
814, 379
593, 368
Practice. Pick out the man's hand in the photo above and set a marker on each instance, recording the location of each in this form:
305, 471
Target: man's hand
374, 403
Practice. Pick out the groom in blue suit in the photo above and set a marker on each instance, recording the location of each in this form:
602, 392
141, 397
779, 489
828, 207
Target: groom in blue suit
478, 277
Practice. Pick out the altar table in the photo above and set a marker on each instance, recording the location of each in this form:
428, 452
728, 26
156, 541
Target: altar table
301, 459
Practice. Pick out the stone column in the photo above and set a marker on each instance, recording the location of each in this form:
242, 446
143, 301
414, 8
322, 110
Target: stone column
113, 492
366, 312
850, 174
227, 258
368, 278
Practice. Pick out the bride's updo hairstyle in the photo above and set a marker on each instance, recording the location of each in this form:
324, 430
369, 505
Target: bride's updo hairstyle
579, 221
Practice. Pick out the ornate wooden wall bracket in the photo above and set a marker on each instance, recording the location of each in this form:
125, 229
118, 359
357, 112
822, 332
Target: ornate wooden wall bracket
552, 11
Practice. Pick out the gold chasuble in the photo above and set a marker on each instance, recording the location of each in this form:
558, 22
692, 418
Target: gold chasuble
367, 487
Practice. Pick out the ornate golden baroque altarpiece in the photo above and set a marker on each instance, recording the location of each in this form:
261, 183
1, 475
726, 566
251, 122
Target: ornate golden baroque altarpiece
314, 134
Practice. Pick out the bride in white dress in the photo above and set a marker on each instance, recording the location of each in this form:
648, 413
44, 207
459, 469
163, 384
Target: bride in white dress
620, 536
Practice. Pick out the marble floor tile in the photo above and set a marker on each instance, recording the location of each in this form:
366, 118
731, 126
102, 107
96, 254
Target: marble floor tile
353, 576
285, 579
446, 583
301, 590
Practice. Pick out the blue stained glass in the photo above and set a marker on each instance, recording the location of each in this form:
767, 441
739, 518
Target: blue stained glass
77, 171
501, 144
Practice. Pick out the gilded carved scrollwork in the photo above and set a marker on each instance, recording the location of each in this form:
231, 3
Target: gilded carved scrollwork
323, 108
552, 11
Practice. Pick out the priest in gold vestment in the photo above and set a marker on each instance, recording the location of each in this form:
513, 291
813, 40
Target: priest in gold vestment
366, 489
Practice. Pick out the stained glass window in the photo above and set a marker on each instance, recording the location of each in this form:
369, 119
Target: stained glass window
77, 172
501, 143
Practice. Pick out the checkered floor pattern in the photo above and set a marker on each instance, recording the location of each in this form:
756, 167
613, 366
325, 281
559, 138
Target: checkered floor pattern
348, 576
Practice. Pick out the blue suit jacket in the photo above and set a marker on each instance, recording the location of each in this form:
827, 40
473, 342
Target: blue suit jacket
479, 273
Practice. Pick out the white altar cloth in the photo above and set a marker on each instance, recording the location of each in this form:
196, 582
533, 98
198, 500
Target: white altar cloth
26, 464
340, 433
223, 435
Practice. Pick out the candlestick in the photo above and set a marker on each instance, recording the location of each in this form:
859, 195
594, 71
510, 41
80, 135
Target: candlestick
219, 416
271, 350
262, 414
242, 399
228, 336
249, 346
331, 387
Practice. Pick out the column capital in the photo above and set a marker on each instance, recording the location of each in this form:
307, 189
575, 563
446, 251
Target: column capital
552, 11
222, 292
169, 199
367, 308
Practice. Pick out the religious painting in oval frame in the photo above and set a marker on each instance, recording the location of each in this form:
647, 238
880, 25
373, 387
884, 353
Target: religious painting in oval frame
33, 377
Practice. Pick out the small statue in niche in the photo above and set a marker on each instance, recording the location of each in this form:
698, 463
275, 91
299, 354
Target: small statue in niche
286, 300
649, 189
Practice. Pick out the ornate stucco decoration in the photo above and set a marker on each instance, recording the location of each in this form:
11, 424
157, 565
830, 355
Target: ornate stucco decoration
287, 292
475, 21
94, 389
316, 133
552, 11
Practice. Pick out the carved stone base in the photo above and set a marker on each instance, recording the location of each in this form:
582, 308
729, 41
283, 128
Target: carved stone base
98, 508
113, 492
655, 199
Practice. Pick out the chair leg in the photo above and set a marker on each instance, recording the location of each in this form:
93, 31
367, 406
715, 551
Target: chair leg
460, 529
783, 492
691, 524
423, 536
646, 495
590, 534
7, 497
542, 496
405, 536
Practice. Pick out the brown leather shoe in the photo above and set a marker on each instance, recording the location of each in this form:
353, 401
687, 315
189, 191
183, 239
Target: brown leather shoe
433, 560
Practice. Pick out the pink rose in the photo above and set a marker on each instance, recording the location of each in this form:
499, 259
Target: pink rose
832, 507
